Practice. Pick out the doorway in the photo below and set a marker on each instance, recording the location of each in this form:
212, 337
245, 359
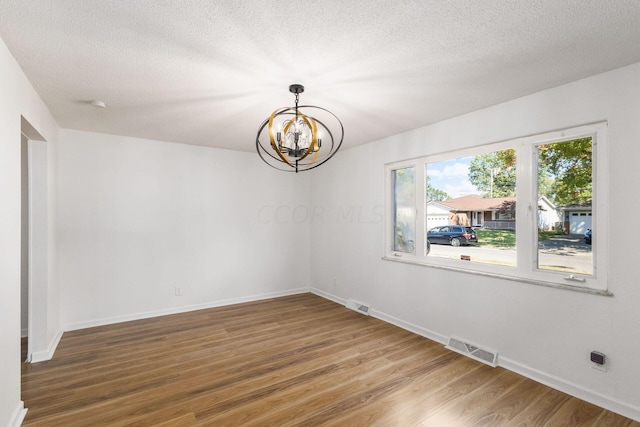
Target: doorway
34, 240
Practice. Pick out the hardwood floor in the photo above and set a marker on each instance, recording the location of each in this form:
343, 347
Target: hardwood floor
297, 360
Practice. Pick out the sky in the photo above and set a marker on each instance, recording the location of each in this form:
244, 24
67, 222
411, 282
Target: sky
452, 176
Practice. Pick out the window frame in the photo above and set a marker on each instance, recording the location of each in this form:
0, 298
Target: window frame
394, 210
526, 269
390, 213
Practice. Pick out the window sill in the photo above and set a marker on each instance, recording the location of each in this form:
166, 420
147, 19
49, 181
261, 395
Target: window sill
584, 290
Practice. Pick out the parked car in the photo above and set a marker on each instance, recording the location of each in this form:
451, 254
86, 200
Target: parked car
454, 235
587, 237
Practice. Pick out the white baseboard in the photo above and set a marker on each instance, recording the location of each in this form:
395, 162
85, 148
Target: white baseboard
41, 356
18, 415
625, 409
434, 336
328, 296
181, 309
427, 333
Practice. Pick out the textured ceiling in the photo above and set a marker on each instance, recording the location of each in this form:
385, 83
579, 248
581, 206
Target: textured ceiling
208, 72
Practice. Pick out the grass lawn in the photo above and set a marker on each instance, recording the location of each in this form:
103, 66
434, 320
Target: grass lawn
506, 238
496, 238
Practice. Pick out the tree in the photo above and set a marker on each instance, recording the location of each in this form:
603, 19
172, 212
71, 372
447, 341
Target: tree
564, 172
435, 194
494, 174
569, 164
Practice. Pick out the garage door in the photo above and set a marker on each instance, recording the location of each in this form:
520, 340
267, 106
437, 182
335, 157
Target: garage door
436, 220
580, 222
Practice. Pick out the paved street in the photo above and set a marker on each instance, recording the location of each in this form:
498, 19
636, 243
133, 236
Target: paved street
566, 253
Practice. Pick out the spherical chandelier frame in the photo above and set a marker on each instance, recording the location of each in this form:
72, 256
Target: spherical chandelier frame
315, 150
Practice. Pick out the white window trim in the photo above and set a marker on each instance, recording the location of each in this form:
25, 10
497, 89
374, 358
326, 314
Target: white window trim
389, 226
526, 231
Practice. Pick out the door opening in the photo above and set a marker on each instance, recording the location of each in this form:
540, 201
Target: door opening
34, 238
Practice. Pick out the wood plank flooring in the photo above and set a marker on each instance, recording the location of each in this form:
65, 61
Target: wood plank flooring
293, 361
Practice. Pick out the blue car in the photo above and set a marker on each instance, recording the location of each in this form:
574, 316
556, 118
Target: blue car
587, 237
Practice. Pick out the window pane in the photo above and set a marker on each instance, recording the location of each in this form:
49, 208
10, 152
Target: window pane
564, 206
404, 210
474, 197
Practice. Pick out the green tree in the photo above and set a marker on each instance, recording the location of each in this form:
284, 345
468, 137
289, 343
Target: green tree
568, 164
564, 172
435, 194
494, 174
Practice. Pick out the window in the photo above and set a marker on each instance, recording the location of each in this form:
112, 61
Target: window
565, 180
529, 209
404, 210
505, 216
476, 195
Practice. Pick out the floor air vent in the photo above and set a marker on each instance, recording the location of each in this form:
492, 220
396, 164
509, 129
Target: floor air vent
358, 306
485, 356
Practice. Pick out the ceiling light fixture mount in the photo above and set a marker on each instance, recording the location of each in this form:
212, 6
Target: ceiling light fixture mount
299, 141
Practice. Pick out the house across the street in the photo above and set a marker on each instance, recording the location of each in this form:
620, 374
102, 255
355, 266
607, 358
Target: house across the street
489, 212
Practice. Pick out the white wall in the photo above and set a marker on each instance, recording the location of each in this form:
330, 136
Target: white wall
18, 99
138, 218
542, 332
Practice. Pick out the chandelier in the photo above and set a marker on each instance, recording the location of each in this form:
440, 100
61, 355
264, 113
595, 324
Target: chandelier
299, 141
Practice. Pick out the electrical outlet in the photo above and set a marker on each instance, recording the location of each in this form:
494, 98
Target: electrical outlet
598, 361
178, 291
